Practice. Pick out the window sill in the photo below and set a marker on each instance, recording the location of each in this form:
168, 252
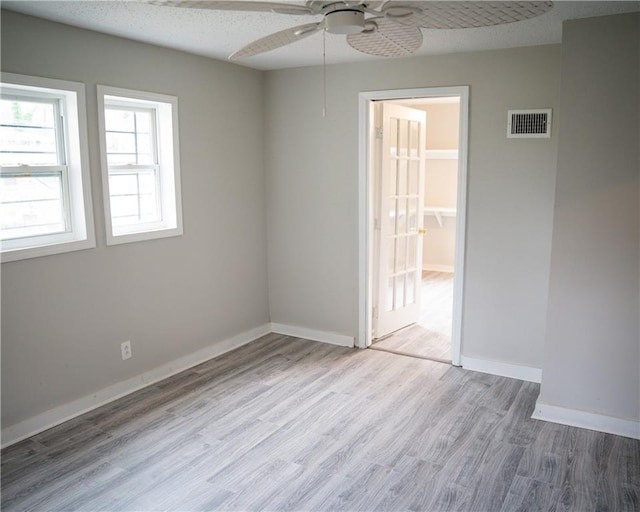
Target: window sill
46, 250
144, 235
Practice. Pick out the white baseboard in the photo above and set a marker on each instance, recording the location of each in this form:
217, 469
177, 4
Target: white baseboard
313, 335
588, 420
60, 414
438, 268
514, 371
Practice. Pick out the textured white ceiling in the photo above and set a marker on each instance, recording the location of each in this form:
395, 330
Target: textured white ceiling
217, 34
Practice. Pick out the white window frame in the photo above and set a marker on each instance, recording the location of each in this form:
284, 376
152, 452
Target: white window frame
75, 172
168, 163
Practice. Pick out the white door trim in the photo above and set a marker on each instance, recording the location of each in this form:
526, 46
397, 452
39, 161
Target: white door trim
365, 218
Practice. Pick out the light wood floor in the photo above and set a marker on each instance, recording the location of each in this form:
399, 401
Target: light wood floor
287, 424
431, 336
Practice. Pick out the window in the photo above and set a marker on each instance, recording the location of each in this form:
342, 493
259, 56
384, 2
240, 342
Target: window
45, 200
140, 164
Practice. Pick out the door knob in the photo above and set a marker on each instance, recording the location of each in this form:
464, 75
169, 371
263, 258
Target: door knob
422, 231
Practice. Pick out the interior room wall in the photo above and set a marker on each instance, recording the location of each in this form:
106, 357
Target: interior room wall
443, 124
64, 316
312, 194
592, 348
441, 185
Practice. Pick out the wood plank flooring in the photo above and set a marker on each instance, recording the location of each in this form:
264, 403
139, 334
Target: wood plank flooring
431, 336
286, 424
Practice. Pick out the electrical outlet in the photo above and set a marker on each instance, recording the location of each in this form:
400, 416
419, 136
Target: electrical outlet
125, 349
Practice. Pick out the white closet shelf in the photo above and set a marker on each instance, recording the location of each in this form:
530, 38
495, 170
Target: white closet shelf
441, 154
438, 212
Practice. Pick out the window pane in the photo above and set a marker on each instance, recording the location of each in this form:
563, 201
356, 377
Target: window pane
133, 197
147, 182
28, 133
118, 120
392, 214
399, 299
414, 174
118, 142
123, 184
144, 156
393, 136
401, 223
148, 209
411, 251
119, 159
31, 205
393, 242
403, 138
413, 215
393, 177
143, 122
129, 136
414, 138
124, 221
402, 177
389, 297
401, 253
124, 206
411, 288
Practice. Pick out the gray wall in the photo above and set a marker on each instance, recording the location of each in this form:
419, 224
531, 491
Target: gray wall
312, 194
64, 316
592, 348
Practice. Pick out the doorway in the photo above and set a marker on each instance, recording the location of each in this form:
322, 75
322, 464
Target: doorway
413, 198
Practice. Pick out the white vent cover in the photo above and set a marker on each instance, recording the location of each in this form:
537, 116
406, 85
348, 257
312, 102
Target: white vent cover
527, 124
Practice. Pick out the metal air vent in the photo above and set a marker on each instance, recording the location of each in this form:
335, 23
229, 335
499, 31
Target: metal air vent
527, 124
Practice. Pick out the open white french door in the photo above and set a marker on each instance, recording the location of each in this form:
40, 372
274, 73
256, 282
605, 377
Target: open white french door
399, 218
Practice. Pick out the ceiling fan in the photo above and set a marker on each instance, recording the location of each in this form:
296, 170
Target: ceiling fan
381, 28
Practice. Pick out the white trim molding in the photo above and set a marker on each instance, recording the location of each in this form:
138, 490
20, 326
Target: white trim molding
365, 216
60, 414
588, 420
438, 268
311, 334
52, 417
513, 371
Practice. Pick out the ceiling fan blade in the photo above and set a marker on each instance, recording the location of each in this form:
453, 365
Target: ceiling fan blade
390, 39
273, 41
237, 5
453, 15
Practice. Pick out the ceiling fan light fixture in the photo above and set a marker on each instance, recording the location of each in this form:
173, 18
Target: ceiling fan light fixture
344, 22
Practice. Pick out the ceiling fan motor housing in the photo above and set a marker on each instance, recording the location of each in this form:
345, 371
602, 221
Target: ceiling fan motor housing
345, 21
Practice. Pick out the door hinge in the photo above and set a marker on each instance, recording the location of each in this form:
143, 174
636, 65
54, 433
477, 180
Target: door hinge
378, 133
374, 314
376, 224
